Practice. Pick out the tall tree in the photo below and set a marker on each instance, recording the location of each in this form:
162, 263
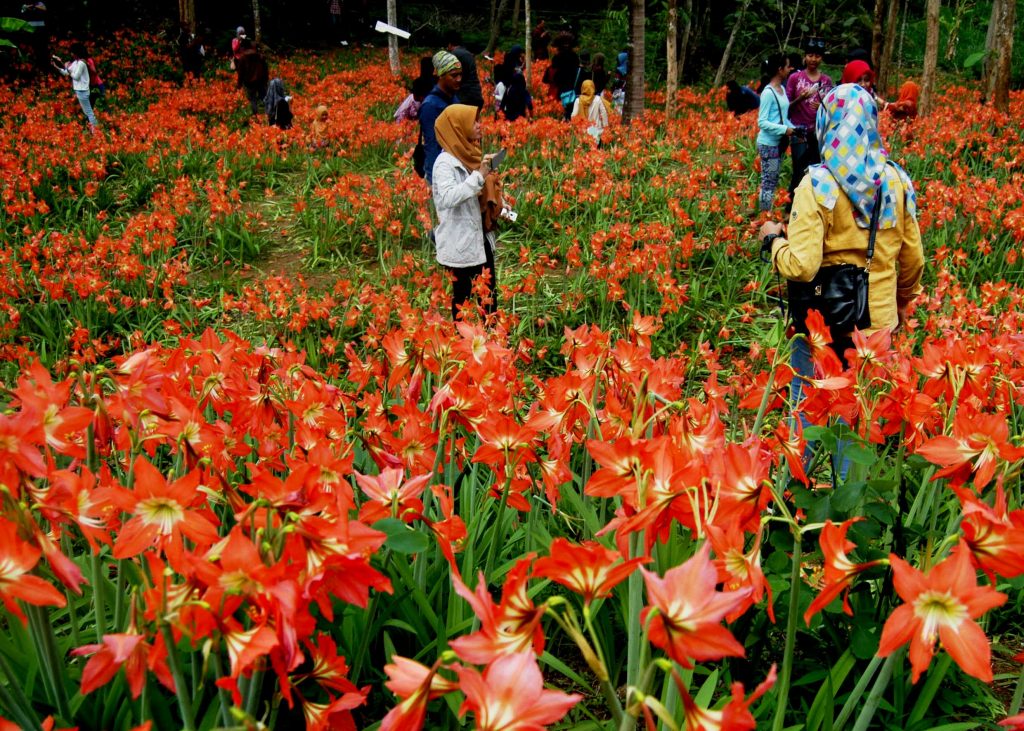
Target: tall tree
497, 13
931, 55
634, 108
720, 74
187, 14
878, 31
396, 66
1000, 71
672, 58
892, 18
684, 42
528, 45
257, 26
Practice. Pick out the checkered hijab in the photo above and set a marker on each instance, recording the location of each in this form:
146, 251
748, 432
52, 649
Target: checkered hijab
853, 159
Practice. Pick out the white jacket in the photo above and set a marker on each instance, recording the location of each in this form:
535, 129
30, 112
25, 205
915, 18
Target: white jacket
459, 235
79, 74
597, 115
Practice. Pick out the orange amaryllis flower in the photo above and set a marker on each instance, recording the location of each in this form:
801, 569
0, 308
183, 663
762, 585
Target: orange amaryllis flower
509, 627
510, 695
994, 535
416, 685
588, 569
391, 495
840, 571
979, 441
687, 611
941, 605
107, 658
734, 716
738, 568
17, 559
161, 513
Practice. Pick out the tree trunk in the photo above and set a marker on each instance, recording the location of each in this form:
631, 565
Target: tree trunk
684, 43
187, 14
496, 16
728, 46
515, 17
393, 60
634, 108
528, 45
671, 58
999, 80
931, 56
257, 27
990, 40
877, 34
892, 19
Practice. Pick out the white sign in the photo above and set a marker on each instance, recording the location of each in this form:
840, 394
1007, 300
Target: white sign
383, 27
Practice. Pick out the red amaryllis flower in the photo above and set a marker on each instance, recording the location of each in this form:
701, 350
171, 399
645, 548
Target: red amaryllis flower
107, 658
994, 535
738, 568
416, 685
17, 558
734, 716
979, 441
390, 494
510, 627
1015, 723
161, 515
588, 569
688, 611
941, 605
840, 571
510, 695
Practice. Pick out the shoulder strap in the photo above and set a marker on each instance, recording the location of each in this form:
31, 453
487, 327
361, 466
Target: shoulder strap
778, 104
874, 222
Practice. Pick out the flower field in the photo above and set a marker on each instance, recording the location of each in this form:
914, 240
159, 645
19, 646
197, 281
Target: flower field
254, 477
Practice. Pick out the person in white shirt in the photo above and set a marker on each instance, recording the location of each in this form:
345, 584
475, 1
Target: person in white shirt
78, 70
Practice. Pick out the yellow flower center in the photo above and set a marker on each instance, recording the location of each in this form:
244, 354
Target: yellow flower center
936, 609
162, 512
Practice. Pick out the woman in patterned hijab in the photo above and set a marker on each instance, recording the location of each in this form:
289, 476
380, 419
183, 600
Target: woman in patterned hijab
829, 225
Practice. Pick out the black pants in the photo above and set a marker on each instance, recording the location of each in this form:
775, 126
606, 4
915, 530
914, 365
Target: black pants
462, 287
805, 154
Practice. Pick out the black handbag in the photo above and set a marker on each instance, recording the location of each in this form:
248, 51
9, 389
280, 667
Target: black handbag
839, 293
419, 157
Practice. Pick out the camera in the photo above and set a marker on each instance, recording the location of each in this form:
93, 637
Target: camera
801, 133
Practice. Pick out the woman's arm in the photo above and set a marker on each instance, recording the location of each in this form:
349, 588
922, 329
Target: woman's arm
449, 191
764, 114
78, 70
798, 256
911, 263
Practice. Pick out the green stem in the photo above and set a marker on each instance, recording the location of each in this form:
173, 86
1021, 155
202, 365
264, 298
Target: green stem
99, 606
782, 699
15, 699
252, 700
184, 702
1018, 694
764, 401
635, 606
858, 691
46, 645
496, 537
875, 697
936, 674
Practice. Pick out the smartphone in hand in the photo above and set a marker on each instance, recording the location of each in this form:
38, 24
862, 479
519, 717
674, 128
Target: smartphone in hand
499, 157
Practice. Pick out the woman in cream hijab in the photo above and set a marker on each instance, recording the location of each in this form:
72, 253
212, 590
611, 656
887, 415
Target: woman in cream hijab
593, 107
467, 200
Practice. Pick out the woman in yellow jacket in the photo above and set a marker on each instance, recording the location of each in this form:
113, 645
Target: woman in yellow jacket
831, 217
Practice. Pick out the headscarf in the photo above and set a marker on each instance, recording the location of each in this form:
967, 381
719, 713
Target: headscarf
853, 159
445, 62
622, 63
240, 31
909, 92
275, 95
454, 128
587, 95
854, 71
319, 127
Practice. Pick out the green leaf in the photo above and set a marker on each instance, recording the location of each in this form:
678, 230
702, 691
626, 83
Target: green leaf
401, 537
15, 25
847, 497
864, 641
859, 455
974, 59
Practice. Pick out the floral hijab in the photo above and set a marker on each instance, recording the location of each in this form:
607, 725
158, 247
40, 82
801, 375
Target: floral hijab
853, 159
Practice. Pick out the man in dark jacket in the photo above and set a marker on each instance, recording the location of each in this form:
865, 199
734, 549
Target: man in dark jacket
253, 74
469, 91
449, 78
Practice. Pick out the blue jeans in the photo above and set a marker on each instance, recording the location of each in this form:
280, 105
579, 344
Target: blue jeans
83, 100
803, 368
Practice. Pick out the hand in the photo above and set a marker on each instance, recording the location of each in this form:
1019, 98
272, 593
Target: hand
485, 165
771, 227
789, 131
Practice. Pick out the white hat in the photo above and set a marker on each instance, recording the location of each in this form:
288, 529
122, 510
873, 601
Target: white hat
240, 30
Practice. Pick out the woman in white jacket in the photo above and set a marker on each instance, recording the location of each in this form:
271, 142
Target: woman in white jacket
77, 69
458, 177
594, 107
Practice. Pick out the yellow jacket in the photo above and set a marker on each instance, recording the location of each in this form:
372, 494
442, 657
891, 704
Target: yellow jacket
819, 237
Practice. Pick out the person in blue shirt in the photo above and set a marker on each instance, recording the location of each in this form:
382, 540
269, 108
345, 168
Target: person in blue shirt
773, 124
449, 78
741, 99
